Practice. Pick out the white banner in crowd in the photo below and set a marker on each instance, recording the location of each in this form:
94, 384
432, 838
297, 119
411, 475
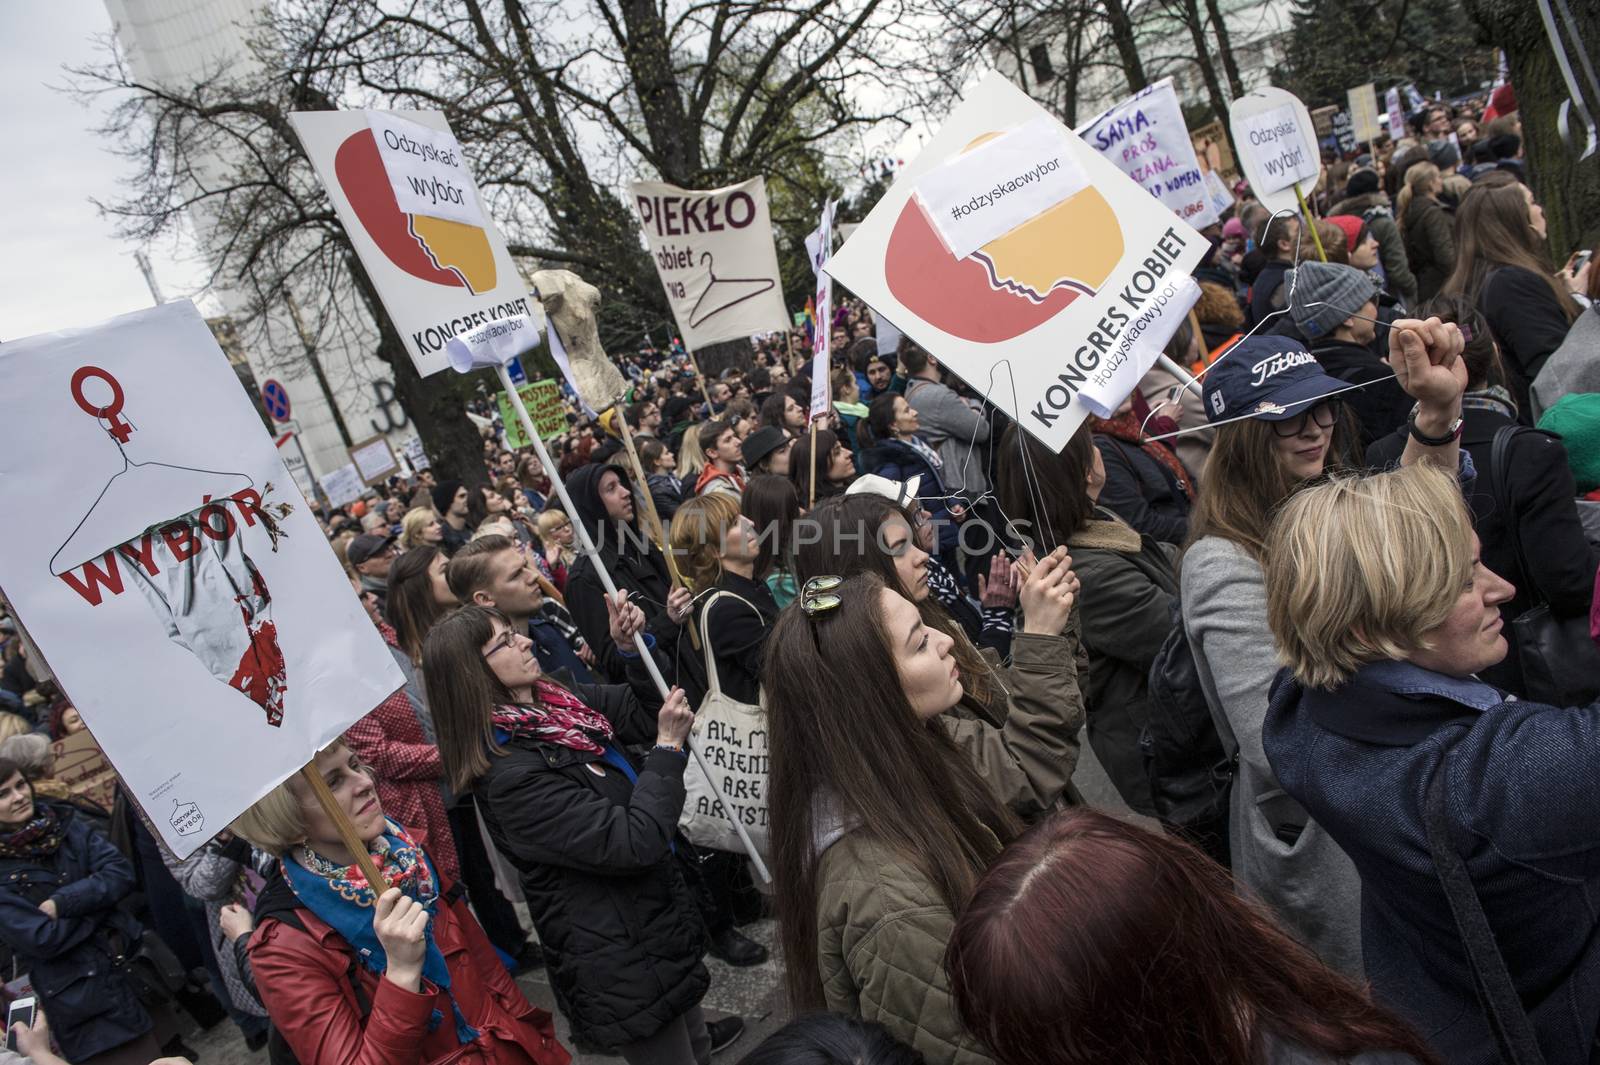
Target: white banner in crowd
437, 275
1397, 114
715, 255
1218, 193
820, 245
177, 583
1062, 314
1147, 139
1364, 112
1277, 146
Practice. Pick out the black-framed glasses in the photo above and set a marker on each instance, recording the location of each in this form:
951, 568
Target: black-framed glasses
1325, 414
820, 595
507, 639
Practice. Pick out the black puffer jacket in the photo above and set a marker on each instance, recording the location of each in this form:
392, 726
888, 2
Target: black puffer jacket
642, 573
619, 927
92, 1008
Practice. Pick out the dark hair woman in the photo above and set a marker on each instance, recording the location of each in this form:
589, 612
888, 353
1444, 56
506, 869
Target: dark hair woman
60, 885
666, 487
892, 449
1503, 267
591, 832
1280, 428
418, 596
831, 1039
1091, 940
836, 465
1145, 483
782, 411
1131, 582
773, 506
1556, 565
881, 825
534, 481
349, 974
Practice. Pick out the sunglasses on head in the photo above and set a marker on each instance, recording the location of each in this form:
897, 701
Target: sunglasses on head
819, 595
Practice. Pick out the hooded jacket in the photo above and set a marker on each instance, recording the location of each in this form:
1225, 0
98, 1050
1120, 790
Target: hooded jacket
1374, 209
635, 564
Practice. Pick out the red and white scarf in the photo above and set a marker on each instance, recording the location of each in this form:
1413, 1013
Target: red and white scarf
559, 717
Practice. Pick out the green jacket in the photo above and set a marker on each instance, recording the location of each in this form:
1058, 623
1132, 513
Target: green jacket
881, 925
1391, 245
1430, 233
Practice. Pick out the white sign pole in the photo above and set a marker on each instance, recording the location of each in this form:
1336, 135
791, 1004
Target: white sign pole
639, 644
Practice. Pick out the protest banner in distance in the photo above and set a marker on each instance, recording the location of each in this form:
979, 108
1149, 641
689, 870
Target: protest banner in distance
1068, 309
715, 255
1397, 113
81, 765
177, 583
343, 485
1343, 133
373, 459
436, 259
1217, 192
1277, 146
543, 400
1145, 137
1364, 113
820, 245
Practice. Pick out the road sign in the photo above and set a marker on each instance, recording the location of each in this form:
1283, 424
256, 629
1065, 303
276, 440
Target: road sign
276, 399
294, 460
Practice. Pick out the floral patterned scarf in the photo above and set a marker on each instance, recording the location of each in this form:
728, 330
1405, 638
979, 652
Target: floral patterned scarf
39, 838
560, 718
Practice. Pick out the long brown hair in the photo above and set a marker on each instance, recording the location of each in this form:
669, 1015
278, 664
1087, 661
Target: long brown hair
1246, 481
696, 537
800, 466
1493, 229
857, 520
409, 604
849, 752
1092, 940
1051, 489
463, 692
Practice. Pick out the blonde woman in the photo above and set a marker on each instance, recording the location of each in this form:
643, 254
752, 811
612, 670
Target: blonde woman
1384, 612
691, 456
420, 528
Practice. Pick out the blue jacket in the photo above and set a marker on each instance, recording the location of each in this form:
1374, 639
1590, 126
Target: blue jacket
899, 461
92, 1008
1523, 801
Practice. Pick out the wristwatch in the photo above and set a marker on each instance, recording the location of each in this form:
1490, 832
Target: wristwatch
1453, 432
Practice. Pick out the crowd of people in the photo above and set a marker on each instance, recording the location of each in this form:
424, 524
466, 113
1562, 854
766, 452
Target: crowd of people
1328, 627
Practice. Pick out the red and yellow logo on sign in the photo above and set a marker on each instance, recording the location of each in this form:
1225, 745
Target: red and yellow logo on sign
1011, 285
433, 249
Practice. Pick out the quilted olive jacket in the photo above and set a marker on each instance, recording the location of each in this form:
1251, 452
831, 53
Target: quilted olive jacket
881, 925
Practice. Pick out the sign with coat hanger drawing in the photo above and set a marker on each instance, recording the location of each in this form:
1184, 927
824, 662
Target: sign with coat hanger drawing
715, 255
171, 573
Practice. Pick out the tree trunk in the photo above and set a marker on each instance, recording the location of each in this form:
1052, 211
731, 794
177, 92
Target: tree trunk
1127, 46
1208, 71
648, 55
1569, 190
1219, 26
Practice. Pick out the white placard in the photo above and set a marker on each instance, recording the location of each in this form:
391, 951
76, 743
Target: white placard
1397, 114
714, 252
1145, 137
1277, 146
1276, 143
1218, 193
374, 460
820, 244
1085, 291
427, 169
416, 454
343, 485
177, 583
985, 193
1364, 112
437, 277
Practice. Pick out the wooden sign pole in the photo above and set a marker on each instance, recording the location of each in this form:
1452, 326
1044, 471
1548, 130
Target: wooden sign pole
813, 452
657, 530
346, 830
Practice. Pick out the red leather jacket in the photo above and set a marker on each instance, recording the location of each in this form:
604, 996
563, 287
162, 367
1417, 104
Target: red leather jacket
303, 978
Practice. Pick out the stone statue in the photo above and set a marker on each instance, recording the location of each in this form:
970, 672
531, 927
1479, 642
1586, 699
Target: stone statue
570, 303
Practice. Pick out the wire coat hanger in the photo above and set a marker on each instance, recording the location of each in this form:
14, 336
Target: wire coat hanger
695, 317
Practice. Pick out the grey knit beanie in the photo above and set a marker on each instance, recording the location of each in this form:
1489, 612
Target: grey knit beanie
1323, 295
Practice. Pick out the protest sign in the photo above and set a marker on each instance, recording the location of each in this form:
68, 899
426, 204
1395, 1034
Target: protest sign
342, 486
437, 276
1217, 192
81, 765
1343, 133
1210, 143
1364, 113
714, 252
415, 453
1073, 304
820, 244
373, 459
294, 460
1277, 146
427, 169
183, 594
543, 400
1397, 114
1145, 138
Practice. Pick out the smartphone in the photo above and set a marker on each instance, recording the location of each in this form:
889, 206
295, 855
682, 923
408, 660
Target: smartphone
21, 1012
1579, 260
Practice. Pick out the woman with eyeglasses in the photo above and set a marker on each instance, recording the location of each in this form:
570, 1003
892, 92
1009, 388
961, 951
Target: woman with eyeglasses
1018, 721
1279, 428
881, 823
351, 974
591, 830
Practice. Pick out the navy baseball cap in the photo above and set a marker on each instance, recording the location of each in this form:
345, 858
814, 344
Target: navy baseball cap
1268, 377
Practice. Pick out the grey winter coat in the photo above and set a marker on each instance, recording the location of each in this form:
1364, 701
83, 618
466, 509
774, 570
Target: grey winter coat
1278, 852
956, 431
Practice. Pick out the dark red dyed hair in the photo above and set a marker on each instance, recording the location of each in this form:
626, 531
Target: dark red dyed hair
1091, 940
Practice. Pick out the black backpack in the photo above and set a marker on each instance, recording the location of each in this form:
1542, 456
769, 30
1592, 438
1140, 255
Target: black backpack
1191, 773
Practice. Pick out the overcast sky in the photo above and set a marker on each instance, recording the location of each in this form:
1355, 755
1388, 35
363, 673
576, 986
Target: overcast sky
60, 264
